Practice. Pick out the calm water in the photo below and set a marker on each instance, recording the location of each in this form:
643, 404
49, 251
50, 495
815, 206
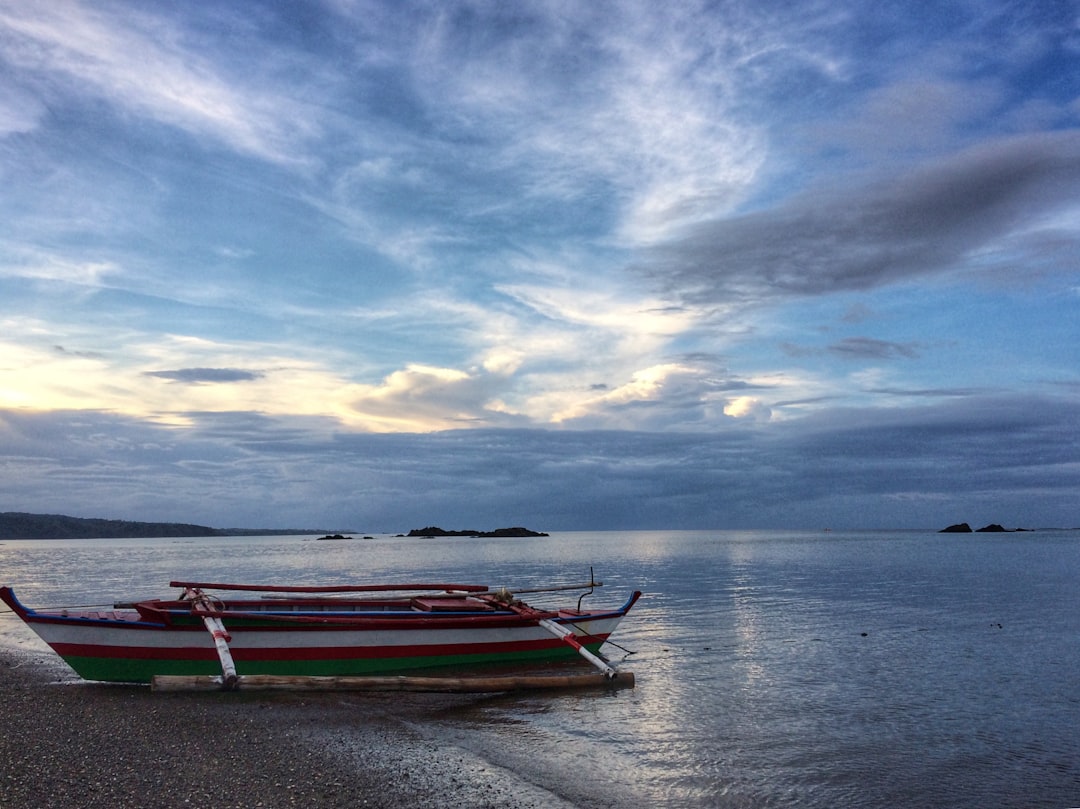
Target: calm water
774, 668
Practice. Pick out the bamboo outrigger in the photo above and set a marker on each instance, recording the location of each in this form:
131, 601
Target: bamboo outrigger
440, 684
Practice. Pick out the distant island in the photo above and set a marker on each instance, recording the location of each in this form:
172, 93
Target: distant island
992, 528
435, 531
20, 525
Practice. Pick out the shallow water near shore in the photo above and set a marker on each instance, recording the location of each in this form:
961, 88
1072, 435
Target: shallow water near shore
773, 668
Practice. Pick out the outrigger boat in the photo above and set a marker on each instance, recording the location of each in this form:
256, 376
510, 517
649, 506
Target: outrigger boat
319, 632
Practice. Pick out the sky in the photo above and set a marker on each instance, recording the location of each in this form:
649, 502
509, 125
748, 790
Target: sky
570, 265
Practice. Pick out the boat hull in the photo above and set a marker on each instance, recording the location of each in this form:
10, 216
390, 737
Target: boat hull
119, 646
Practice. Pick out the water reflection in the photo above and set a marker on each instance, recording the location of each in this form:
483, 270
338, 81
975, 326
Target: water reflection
772, 668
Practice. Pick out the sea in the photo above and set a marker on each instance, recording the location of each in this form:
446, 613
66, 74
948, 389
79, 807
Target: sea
773, 668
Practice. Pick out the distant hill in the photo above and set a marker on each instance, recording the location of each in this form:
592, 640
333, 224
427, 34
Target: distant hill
19, 525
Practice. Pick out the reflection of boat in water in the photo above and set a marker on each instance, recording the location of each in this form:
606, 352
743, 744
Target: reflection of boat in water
328, 631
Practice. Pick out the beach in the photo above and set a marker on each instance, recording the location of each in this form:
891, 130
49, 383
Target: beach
76, 745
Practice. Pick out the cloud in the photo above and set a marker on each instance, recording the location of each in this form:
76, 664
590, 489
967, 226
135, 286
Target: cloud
423, 398
196, 376
690, 393
87, 355
1009, 459
29, 262
646, 387
856, 348
930, 221
594, 116
869, 348
857, 313
912, 116
929, 393
614, 262
748, 407
146, 65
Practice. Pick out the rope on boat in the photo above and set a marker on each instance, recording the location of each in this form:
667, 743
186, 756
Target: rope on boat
608, 641
504, 596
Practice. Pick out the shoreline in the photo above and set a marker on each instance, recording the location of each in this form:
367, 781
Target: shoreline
78, 745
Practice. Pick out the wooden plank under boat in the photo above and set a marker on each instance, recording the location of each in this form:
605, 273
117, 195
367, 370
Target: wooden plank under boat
321, 632
438, 684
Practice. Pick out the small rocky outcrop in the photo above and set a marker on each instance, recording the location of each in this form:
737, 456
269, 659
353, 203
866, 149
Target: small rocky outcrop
992, 528
959, 528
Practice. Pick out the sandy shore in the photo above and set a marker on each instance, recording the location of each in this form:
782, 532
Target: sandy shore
75, 745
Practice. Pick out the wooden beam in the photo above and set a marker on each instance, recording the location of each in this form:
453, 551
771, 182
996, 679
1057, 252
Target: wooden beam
463, 685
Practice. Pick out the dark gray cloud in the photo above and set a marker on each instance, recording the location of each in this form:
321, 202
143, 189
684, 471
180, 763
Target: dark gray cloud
869, 348
838, 238
91, 355
194, 376
856, 348
929, 393
1008, 459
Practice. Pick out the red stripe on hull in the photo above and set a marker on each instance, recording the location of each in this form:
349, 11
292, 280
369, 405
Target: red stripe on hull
309, 653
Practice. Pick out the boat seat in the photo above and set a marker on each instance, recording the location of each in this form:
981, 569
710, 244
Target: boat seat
450, 605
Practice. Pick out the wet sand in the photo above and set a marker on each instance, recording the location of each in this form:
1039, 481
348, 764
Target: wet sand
74, 745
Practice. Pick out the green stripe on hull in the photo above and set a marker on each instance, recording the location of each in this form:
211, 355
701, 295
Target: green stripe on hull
125, 670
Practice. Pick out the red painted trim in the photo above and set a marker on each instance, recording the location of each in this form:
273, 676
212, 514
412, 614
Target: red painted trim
271, 622
336, 588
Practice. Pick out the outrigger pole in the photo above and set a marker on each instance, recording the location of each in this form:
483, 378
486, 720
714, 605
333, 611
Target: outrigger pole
567, 636
203, 607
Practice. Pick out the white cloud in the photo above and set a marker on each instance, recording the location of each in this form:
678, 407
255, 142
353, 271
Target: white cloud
748, 408
142, 64
606, 308
503, 360
420, 399
645, 385
28, 262
641, 106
